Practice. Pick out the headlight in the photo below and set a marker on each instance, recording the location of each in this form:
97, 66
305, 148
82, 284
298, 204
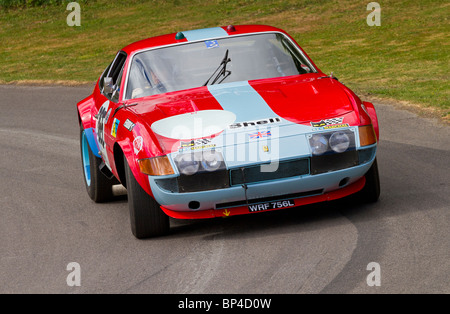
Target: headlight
332, 142
339, 142
319, 144
188, 164
211, 160
191, 163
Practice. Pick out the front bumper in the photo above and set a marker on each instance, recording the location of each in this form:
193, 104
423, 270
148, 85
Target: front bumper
233, 200
242, 210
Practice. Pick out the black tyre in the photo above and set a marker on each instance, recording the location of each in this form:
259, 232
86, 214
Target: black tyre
146, 217
371, 191
98, 186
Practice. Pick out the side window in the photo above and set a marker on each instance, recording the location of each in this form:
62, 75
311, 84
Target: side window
113, 77
300, 61
100, 83
115, 95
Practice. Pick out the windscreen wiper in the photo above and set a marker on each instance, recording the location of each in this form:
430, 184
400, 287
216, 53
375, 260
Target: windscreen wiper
223, 71
123, 106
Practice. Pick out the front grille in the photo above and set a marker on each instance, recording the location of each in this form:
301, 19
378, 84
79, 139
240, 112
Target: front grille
201, 181
221, 179
268, 199
204, 181
286, 169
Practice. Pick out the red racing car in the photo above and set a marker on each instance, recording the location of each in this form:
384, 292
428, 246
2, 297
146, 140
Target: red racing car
223, 121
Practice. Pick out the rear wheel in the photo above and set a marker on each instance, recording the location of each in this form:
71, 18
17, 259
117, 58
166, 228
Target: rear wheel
98, 186
371, 191
146, 217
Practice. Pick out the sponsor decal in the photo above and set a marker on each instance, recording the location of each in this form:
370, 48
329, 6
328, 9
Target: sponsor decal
192, 143
114, 127
270, 205
196, 144
138, 143
128, 125
100, 130
259, 135
100, 126
326, 122
245, 124
211, 44
265, 148
336, 126
107, 116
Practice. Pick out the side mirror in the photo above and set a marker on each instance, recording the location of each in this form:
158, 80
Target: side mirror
108, 86
333, 77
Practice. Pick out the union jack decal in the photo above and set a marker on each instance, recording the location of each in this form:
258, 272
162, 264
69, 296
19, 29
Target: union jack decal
260, 134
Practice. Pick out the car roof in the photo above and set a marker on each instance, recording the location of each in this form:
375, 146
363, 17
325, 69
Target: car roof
199, 34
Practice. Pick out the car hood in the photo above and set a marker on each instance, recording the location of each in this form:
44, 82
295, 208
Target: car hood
297, 103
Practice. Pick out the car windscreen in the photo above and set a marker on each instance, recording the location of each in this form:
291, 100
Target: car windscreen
230, 59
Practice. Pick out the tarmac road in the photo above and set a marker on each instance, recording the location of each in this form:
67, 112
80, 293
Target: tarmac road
48, 221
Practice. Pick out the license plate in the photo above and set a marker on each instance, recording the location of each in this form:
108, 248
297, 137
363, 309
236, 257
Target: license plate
270, 205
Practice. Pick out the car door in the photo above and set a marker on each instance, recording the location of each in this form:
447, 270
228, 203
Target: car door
107, 101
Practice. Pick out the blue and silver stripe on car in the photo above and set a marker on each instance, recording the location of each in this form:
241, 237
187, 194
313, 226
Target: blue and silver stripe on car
204, 34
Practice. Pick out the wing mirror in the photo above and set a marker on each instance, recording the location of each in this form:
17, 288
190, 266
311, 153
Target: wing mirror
108, 86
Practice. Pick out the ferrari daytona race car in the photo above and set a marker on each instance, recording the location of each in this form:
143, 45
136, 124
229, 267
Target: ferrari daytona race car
223, 121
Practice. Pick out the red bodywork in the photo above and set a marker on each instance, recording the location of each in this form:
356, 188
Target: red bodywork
315, 99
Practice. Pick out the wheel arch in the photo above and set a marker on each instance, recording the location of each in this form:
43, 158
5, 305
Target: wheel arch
124, 149
118, 159
373, 117
84, 111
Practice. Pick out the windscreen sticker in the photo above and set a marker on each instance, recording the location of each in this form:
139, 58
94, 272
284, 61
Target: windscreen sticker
306, 68
212, 44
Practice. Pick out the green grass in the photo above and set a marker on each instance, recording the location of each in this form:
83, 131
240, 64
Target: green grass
28, 3
406, 58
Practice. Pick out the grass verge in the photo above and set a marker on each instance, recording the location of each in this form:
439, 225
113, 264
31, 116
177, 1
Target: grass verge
406, 58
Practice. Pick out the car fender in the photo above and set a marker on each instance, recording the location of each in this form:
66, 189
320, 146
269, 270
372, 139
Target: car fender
126, 147
85, 120
373, 117
85, 112
135, 143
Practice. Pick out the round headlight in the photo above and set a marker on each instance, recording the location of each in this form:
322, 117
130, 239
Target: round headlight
211, 161
339, 142
319, 144
187, 164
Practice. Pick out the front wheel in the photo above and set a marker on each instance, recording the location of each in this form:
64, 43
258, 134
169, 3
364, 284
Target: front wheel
98, 186
146, 217
371, 191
